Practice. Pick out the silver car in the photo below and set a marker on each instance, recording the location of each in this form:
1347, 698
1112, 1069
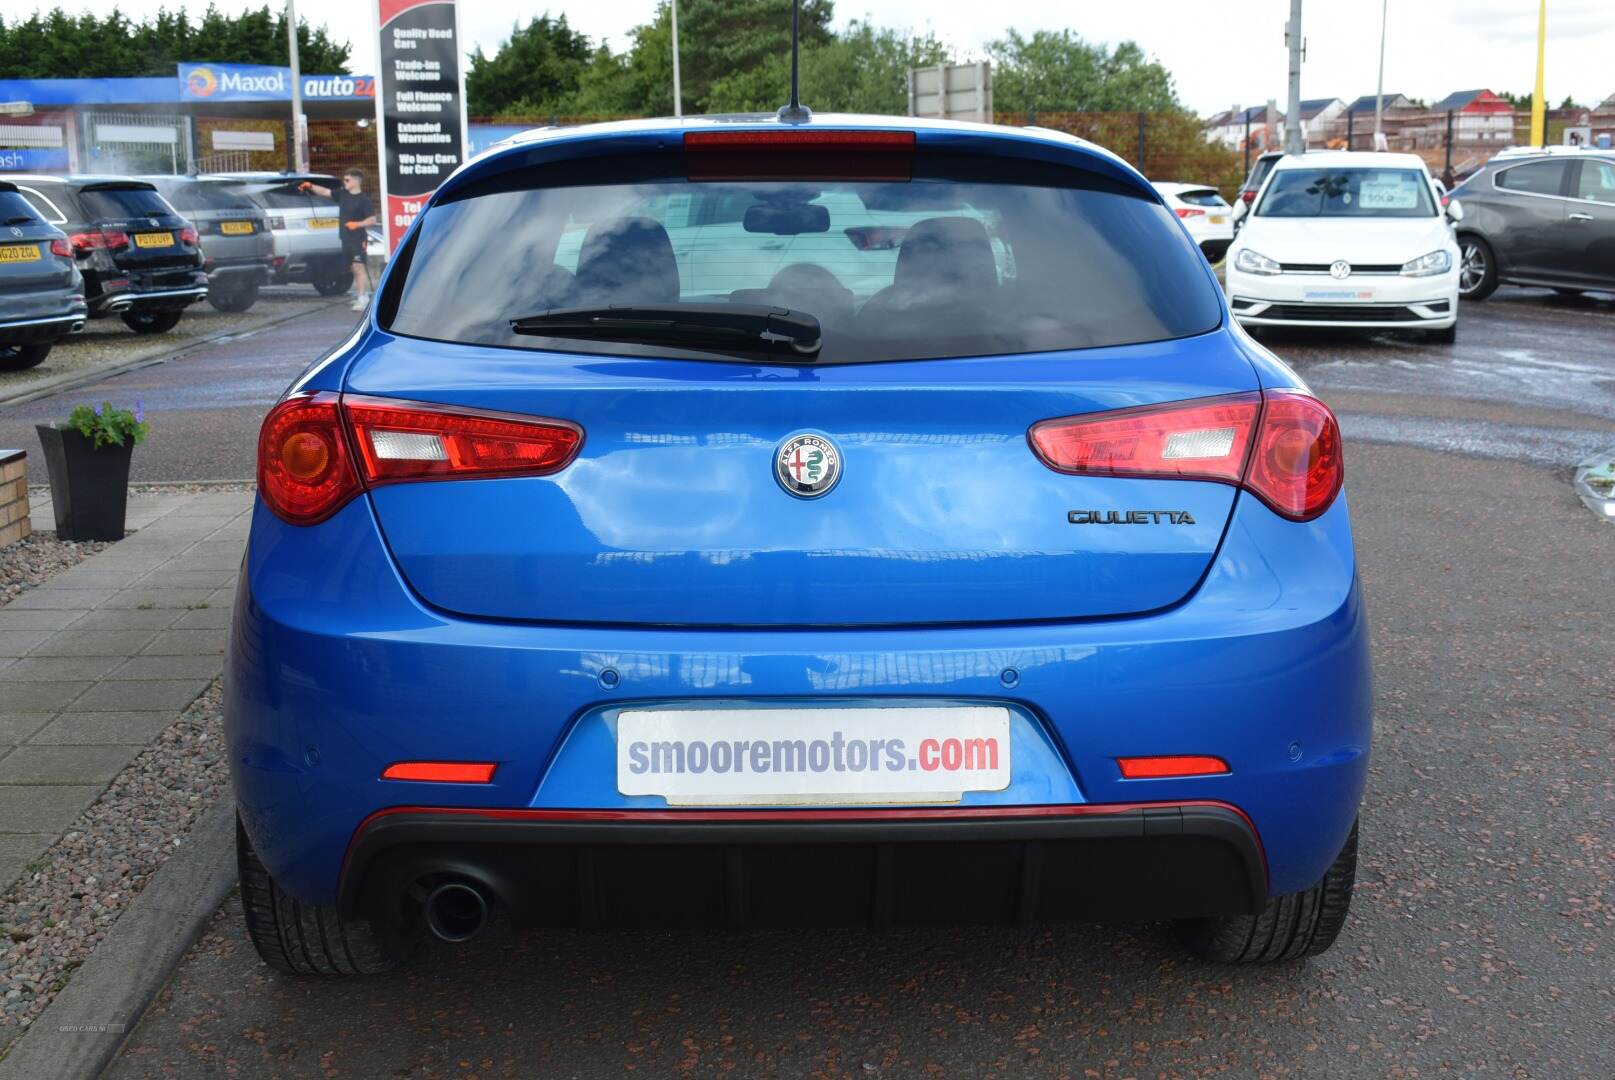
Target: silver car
234, 233
41, 289
304, 226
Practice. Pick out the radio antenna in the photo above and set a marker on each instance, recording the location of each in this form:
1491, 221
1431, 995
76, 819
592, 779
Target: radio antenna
796, 112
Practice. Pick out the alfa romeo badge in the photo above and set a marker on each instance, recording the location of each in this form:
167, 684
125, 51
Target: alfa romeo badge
807, 466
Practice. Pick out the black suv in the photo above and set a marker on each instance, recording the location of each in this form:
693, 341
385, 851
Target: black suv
1542, 218
140, 259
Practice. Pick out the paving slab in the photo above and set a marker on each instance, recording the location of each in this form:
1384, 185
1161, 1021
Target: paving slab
93, 729
168, 667
127, 619
39, 696
76, 642
19, 642
16, 728
11, 619
122, 695
61, 668
44, 808
45, 765
205, 642
44, 597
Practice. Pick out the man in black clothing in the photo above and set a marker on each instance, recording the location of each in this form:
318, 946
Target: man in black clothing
355, 214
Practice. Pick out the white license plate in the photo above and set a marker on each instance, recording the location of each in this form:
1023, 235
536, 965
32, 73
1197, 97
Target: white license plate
1338, 296
812, 756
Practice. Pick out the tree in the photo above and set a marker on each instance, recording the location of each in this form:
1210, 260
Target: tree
1059, 71
533, 69
56, 45
863, 69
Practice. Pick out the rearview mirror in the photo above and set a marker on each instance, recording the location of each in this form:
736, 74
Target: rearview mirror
1455, 211
787, 219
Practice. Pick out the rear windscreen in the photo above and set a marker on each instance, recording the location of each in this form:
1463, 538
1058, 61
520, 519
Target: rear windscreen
1201, 197
15, 210
206, 196
118, 203
935, 266
1348, 193
287, 197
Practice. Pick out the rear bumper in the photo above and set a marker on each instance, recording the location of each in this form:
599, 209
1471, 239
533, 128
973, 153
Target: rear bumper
1266, 666
881, 867
239, 275
46, 328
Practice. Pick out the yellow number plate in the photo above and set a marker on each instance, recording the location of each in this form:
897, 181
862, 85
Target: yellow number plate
1219, 219
322, 222
235, 228
19, 253
154, 239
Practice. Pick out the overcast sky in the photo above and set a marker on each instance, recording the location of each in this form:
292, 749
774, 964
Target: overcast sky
1217, 57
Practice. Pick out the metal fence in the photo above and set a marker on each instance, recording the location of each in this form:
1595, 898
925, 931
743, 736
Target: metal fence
134, 143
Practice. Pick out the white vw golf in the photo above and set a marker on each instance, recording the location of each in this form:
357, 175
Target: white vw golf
1339, 238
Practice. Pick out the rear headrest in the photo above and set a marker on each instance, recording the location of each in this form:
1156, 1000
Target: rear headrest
627, 260
947, 254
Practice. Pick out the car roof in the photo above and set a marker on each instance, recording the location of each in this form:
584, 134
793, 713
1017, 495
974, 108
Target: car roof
1351, 159
1175, 186
79, 179
262, 177
627, 136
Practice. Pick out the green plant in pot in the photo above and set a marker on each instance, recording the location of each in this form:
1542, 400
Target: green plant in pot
88, 459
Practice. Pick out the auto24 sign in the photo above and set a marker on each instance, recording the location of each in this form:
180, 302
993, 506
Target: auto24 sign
420, 109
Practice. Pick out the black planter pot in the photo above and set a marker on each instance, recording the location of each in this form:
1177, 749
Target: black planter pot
89, 488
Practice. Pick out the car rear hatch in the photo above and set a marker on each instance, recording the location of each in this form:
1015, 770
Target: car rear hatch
673, 513
29, 270
676, 509
142, 231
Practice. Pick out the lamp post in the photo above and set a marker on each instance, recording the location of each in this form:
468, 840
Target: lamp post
678, 95
1539, 104
1379, 89
299, 154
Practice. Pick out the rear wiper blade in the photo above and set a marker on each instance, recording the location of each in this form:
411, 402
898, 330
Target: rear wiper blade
750, 328
19, 219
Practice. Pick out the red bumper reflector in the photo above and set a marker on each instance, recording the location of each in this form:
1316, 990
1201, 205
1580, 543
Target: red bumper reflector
441, 772
797, 153
1154, 768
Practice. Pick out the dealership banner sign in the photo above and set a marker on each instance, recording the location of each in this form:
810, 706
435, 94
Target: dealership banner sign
420, 106
256, 82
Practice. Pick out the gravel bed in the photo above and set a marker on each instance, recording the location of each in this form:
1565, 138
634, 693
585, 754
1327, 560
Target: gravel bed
109, 341
53, 917
38, 558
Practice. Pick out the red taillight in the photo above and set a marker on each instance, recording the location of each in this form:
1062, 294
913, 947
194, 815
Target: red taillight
62, 246
408, 441
114, 239
1155, 768
276, 222
1296, 466
305, 473
1248, 196
187, 235
1188, 212
799, 153
86, 242
1283, 447
442, 772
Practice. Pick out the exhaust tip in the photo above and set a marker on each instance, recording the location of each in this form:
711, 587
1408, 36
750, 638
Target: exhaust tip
456, 911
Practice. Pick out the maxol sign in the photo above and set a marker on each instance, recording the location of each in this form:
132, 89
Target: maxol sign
253, 82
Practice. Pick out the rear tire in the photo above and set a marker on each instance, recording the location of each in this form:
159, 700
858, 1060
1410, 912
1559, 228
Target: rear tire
234, 301
1477, 268
308, 939
335, 286
1289, 927
23, 357
152, 322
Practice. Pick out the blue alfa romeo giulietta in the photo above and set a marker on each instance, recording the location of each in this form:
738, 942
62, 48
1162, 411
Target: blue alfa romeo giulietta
846, 520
